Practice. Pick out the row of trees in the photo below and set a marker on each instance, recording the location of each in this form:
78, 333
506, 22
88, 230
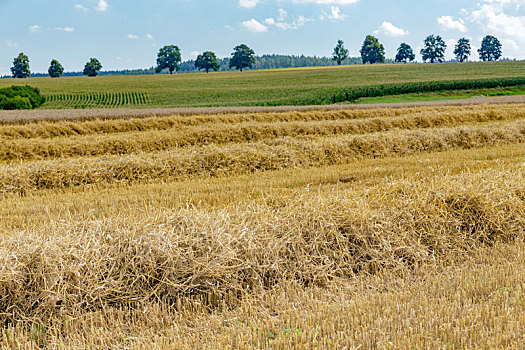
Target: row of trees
168, 57
21, 69
372, 51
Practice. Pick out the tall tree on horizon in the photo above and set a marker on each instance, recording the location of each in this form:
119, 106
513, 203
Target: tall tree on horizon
92, 68
55, 69
405, 53
340, 53
207, 61
372, 50
169, 57
434, 49
242, 57
462, 50
20, 67
490, 49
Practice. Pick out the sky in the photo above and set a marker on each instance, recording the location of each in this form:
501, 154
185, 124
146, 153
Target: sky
127, 34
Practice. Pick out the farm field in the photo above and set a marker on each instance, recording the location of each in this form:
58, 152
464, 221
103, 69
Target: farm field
316, 228
308, 86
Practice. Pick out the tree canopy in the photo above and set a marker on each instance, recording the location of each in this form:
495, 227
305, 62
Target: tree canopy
20, 67
490, 49
169, 57
372, 50
405, 53
434, 49
340, 53
462, 50
92, 68
207, 61
55, 69
242, 57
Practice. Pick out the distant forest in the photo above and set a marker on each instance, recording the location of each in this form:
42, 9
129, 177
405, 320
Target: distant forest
261, 62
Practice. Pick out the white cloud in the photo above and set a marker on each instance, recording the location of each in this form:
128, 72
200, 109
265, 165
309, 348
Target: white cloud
132, 36
280, 23
102, 5
149, 36
334, 15
326, 2
194, 54
389, 29
451, 45
448, 23
509, 44
81, 8
254, 26
282, 15
65, 29
248, 3
492, 18
34, 28
504, 19
11, 43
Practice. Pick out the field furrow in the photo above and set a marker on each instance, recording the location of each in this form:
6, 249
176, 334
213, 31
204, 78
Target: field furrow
232, 159
153, 141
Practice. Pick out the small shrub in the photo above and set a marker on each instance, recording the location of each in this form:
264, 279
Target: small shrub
20, 97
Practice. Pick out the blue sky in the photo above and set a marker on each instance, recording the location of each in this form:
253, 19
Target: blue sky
127, 34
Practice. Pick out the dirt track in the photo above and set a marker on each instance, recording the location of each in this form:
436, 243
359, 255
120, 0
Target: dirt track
49, 114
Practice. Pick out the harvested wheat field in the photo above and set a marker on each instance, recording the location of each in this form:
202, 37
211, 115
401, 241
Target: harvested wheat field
343, 228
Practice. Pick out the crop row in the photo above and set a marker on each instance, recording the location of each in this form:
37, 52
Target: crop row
154, 141
352, 94
52, 129
310, 238
233, 159
97, 100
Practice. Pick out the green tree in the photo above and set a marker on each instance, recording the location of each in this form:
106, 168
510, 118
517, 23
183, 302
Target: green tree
92, 68
490, 49
55, 69
462, 50
242, 57
20, 67
207, 61
434, 49
372, 51
169, 57
405, 53
340, 53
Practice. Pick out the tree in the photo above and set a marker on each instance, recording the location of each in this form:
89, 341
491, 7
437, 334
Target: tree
340, 53
434, 49
207, 61
168, 58
462, 49
20, 67
490, 49
92, 68
55, 69
405, 53
242, 57
372, 51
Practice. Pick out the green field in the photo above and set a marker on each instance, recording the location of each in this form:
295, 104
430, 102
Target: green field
249, 88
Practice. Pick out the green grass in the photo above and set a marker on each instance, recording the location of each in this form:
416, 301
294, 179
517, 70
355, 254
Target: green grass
445, 95
268, 87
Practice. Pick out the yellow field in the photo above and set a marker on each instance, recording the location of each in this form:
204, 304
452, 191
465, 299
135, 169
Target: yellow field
367, 228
